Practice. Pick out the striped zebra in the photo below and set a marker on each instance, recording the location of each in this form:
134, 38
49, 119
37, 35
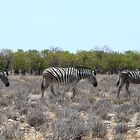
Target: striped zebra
62, 76
4, 78
125, 78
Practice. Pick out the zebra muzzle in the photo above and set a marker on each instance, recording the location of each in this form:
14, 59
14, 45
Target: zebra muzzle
95, 84
7, 85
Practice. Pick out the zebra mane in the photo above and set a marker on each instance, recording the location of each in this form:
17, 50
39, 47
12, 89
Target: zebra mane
130, 70
82, 68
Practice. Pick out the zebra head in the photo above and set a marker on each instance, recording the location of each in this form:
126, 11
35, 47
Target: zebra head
92, 79
4, 78
87, 73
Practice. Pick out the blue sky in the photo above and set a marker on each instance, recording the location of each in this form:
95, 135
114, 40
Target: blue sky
70, 24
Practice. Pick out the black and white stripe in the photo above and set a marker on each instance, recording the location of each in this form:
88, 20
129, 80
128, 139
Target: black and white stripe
127, 77
62, 76
4, 78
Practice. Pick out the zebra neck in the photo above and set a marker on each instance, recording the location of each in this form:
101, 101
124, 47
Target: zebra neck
82, 75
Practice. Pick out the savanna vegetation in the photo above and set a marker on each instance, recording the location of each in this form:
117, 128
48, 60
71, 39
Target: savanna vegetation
95, 113
101, 59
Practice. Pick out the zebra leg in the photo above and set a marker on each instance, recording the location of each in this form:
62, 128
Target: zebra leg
119, 89
74, 89
43, 88
52, 89
127, 88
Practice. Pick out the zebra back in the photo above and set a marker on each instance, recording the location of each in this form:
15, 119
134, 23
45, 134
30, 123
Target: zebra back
60, 75
67, 75
131, 76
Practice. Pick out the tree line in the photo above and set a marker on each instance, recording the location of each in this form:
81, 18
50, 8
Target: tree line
34, 61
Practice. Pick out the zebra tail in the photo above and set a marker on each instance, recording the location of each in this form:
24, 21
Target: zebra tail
42, 85
118, 82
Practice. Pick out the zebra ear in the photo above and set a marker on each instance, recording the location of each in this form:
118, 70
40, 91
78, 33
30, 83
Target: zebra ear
7, 65
7, 72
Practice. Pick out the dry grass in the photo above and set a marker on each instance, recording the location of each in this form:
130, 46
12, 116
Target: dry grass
95, 113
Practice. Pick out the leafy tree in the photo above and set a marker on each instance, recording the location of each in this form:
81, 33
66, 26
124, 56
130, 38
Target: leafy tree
36, 61
5, 58
131, 60
20, 62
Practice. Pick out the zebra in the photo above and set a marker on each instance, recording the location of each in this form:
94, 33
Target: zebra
127, 77
4, 77
62, 76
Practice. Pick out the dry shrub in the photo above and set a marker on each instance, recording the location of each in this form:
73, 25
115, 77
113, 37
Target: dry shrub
122, 117
101, 108
135, 105
4, 100
116, 101
121, 128
99, 130
35, 117
124, 112
120, 137
137, 123
11, 132
12, 114
22, 106
3, 118
72, 128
